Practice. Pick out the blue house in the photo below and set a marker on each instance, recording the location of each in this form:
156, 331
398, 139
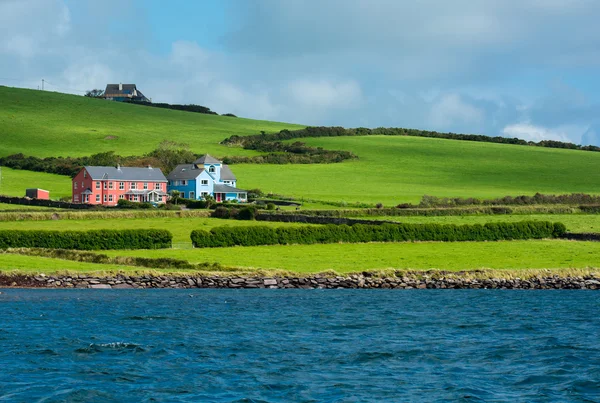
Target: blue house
207, 176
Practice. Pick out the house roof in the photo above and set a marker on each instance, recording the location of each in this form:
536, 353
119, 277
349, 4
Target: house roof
185, 171
227, 189
226, 174
207, 159
126, 174
145, 192
127, 90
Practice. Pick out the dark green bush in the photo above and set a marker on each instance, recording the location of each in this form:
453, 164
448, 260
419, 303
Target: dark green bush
87, 240
260, 235
247, 213
270, 206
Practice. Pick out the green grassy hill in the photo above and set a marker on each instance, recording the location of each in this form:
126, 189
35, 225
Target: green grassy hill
47, 124
402, 169
389, 170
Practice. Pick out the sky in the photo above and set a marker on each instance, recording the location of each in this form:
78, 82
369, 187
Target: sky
516, 68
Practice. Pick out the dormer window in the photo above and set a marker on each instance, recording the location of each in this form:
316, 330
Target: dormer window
211, 169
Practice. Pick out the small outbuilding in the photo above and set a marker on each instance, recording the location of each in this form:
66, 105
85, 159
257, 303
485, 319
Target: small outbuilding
35, 193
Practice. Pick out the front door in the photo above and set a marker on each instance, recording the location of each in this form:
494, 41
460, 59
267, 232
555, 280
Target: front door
218, 197
193, 195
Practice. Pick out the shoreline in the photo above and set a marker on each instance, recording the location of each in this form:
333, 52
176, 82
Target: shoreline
354, 281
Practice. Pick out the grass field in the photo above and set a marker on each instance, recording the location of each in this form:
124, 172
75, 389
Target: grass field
179, 227
14, 182
35, 264
20, 207
391, 170
49, 124
342, 258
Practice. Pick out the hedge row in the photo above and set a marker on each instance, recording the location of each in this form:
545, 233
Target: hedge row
87, 240
261, 235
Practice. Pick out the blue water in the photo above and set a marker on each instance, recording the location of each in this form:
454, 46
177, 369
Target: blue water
299, 345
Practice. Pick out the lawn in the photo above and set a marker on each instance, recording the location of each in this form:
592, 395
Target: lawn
13, 182
49, 124
392, 170
551, 254
20, 207
35, 264
573, 222
179, 227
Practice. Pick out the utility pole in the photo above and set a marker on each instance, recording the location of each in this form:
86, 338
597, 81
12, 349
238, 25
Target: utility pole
42, 84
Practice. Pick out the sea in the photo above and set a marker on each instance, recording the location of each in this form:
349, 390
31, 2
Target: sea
299, 346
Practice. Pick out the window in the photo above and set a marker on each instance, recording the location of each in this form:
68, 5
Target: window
183, 183
192, 195
135, 198
203, 194
110, 198
121, 185
82, 184
97, 185
110, 185
211, 169
97, 198
121, 196
157, 186
104, 185
76, 198
85, 174
204, 182
183, 195
104, 198
145, 185
74, 185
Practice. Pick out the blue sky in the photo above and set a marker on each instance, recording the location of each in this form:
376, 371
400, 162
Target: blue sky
522, 68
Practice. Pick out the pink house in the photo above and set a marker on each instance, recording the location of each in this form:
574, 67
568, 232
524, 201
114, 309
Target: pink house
106, 185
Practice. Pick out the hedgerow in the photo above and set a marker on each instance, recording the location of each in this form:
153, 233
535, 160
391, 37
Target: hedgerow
359, 233
87, 240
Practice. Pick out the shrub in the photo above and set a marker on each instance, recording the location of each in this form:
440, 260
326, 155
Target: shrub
270, 206
87, 240
261, 235
247, 213
220, 212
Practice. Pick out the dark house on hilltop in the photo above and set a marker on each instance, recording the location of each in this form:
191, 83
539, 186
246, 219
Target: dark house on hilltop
124, 93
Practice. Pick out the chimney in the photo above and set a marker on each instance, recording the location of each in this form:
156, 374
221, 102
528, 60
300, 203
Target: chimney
118, 167
149, 167
120, 87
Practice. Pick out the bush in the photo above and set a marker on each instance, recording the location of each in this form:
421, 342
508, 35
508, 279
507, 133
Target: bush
270, 206
260, 235
87, 240
247, 213
220, 212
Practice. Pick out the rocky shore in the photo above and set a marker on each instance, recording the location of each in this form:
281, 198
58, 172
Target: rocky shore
317, 281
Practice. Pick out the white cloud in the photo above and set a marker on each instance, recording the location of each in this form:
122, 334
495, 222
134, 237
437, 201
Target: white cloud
450, 109
530, 132
326, 94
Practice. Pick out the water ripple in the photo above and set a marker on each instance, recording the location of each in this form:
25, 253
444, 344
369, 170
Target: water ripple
299, 345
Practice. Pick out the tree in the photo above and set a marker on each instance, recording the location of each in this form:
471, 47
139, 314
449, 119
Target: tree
171, 153
95, 93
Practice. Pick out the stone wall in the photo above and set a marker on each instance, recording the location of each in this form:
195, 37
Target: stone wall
317, 281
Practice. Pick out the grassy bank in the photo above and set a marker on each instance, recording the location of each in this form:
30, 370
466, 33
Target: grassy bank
391, 170
14, 182
49, 124
346, 258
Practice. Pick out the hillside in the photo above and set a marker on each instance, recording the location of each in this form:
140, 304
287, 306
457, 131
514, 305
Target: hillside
390, 169
47, 124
